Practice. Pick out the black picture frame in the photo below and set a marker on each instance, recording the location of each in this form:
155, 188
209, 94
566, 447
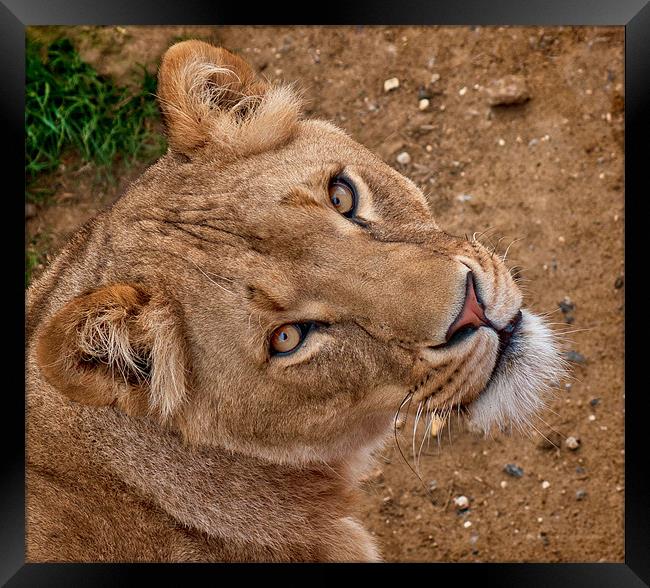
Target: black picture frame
634, 15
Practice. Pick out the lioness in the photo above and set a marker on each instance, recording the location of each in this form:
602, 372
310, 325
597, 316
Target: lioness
212, 360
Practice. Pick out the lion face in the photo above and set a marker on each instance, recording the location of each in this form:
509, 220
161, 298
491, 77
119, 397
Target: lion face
307, 290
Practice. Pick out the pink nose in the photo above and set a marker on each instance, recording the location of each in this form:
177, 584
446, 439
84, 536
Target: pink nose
472, 314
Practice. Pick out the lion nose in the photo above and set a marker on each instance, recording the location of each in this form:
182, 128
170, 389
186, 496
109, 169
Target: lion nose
472, 314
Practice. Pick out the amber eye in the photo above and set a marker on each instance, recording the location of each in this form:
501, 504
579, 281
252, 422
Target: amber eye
342, 197
288, 338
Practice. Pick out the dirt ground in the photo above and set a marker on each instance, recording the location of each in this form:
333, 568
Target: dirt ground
548, 171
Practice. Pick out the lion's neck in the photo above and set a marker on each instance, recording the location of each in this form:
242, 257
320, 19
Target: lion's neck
231, 496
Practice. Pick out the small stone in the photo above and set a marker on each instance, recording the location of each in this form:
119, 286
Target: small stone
503, 484
508, 90
433, 485
423, 92
591, 417
549, 440
403, 158
594, 401
429, 148
435, 77
619, 282
467, 524
501, 142
437, 423
572, 443
461, 502
581, 494
463, 91
545, 484
574, 356
513, 470
30, 210
423, 104
463, 197
566, 305
391, 84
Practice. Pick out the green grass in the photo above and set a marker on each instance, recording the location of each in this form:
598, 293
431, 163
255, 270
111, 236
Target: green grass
70, 107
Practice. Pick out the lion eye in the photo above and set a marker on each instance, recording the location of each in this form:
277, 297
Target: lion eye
342, 197
288, 338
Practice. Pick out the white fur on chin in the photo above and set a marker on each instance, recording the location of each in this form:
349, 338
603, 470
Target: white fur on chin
520, 387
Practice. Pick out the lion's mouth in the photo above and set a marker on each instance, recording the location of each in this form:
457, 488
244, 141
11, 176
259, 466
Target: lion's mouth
506, 336
480, 365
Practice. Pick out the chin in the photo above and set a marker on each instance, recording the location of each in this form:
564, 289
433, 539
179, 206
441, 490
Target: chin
521, 384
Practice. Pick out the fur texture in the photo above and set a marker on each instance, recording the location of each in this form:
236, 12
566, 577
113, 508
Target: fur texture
160, 425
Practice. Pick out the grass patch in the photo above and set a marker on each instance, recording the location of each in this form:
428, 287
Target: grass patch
69, 106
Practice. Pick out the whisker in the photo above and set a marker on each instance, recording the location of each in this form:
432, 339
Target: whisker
508, 249
210, 279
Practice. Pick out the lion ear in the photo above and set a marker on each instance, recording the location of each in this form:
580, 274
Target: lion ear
211, 97
118, 345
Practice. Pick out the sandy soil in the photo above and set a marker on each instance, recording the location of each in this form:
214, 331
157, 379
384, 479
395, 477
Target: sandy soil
548, 171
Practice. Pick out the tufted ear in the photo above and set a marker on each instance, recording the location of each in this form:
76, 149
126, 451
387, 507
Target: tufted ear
120, 346
210, 97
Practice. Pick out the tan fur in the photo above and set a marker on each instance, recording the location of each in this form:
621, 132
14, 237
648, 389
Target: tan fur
159, 426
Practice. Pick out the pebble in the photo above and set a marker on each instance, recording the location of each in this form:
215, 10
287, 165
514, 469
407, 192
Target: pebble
594, 401
503, 484
391, 84
581, 494
467, 524
423, 92
437, 423
433, 485
403, 158
591, 417
463, 197
508, 90
549, 440
619, 282
566, 305
30, 210
513, 470
574, 356
423, 104
461, 502
572, 443
435, 77
545, 484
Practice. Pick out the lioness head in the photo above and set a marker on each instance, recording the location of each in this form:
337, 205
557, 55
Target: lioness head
272, 287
